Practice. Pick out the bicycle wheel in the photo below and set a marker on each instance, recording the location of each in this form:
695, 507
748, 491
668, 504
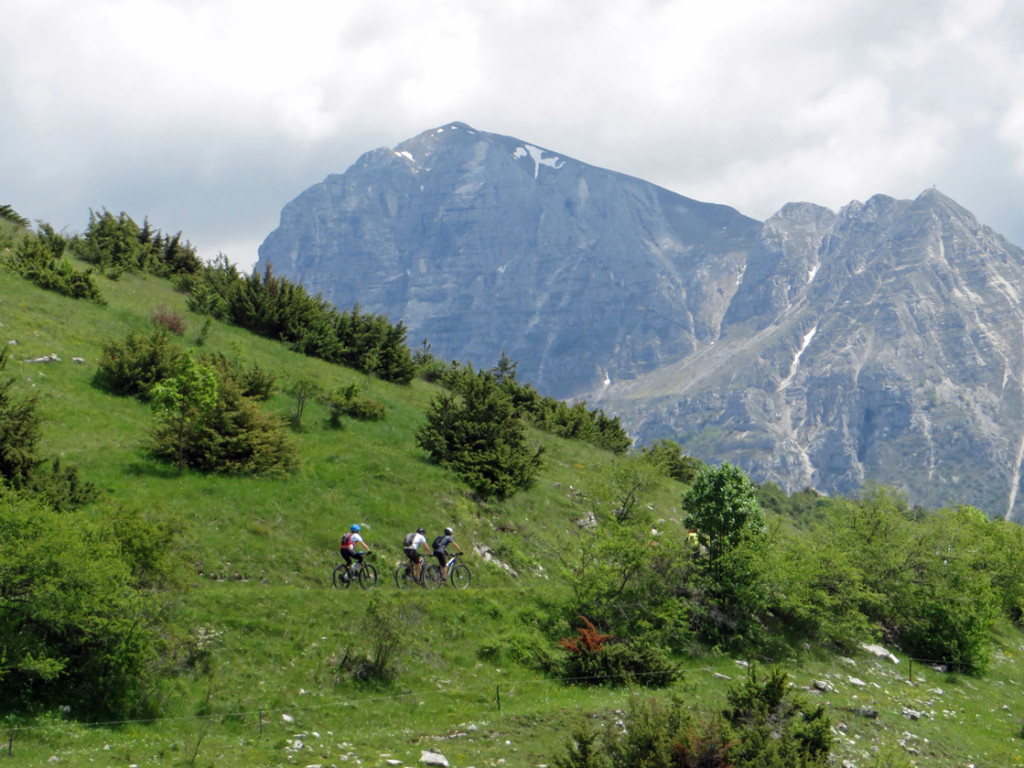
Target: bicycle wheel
341, 577
367, 576
432, 577
403, 577
458, 575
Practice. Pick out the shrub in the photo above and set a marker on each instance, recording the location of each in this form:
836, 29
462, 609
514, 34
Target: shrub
20, 430
253, 381
40, 258
169, 321
134, 365
73, 628
233, 437
348, 402
20, 464
668, 456
592, 660
765, 725
386, 625
62, 488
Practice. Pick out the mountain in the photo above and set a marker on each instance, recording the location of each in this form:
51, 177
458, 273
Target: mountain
483, 243
883, 342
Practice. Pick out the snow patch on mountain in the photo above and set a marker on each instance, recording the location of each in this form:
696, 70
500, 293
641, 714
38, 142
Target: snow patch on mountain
537, 154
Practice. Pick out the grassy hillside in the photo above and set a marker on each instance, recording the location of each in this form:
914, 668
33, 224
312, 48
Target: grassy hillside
271, 687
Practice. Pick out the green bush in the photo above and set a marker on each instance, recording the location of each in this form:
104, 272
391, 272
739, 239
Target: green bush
591, 659
668, 456
772, 726
73, 628
40, 258
927, 577
819, 593
233, 437
723, 510
20, 464
765, 725
131, 367
117, 244
20, 430
253, 381
348, 402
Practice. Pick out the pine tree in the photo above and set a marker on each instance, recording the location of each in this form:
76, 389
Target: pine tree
478, 436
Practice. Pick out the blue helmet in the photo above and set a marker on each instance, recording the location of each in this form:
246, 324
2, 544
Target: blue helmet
355, 528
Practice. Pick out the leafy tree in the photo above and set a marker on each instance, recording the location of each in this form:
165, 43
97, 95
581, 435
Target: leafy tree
721, 507
73, 628
1002, 550
626, 576
478, 436
805, 508
927, 582
818, 591
184, 401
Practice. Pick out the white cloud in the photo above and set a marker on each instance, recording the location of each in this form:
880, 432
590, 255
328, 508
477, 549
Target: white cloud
215, 113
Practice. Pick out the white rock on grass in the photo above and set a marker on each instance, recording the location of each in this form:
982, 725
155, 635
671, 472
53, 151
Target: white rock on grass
430, 757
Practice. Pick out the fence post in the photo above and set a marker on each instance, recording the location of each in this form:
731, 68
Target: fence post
497, 695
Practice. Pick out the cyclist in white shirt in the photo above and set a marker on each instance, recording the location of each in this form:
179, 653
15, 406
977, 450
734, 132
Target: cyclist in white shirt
411, 545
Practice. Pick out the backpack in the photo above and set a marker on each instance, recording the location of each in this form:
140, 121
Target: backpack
346, 541
407, 541
438, 544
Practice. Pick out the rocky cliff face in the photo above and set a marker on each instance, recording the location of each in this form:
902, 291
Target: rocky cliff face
483, 243
881, 343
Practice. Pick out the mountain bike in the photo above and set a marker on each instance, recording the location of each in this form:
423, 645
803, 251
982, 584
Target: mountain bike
366, 575
405, 577
458, 574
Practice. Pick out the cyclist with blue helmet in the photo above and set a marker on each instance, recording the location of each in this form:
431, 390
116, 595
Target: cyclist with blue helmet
348, 546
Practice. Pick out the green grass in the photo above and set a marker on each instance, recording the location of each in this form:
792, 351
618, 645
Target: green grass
260, 553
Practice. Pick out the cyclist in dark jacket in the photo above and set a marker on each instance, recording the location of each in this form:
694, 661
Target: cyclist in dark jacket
440, 547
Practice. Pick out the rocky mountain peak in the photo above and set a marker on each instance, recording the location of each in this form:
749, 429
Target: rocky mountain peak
819, 348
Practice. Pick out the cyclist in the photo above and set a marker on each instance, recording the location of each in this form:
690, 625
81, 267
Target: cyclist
440, 547
348, 547
411, 544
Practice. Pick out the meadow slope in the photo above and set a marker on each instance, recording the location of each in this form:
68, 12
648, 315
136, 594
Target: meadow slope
274, 686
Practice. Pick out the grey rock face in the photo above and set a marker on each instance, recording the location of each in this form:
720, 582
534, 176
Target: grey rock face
881, 343
885, 344
483, 243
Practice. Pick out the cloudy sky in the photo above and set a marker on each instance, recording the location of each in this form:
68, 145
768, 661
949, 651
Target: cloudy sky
208, 116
